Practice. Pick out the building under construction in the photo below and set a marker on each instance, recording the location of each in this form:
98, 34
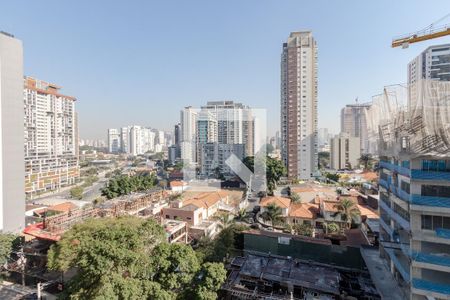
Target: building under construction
265, 276
146, 204
412, 126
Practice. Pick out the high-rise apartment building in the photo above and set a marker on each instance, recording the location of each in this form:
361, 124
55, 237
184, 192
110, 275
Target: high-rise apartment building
114, 141
12, 197
235, 123
142, 140
51, 143
125, 139
188, 120
433, 63
414, 181
345, 152
299, 105
354, 123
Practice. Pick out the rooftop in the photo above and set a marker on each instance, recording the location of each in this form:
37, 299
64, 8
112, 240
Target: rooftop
282, 202
304, 210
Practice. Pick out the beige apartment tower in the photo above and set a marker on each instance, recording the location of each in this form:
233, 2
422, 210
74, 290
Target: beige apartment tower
299, 147
51, 137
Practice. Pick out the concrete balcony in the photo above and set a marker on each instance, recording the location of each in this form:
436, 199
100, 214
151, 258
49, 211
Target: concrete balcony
384, 183
425, 202
443, 233
435, 259
399, 169
400, 262
430, 175
396, 217
438, 290
386, 227
433, 236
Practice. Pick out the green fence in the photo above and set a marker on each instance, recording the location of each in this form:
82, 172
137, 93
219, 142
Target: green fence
340, 256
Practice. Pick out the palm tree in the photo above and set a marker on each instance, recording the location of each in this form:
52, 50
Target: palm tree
225, 220
347, 210
366, 160
296, 198
241, 214
273, 213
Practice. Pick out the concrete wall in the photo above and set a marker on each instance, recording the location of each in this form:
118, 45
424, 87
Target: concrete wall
12, 166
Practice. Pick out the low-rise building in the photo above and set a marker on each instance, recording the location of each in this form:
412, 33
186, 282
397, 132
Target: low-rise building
283, 202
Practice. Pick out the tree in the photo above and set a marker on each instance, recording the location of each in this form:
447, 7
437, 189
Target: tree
273, 214
324, 159
274, 170
123, 185
76, 192
348, 210
296, 198
225, 220
303, 229
225, 244
331, 228
332, 177
129, 258
214, 275
241, 214
366, 160
7, 243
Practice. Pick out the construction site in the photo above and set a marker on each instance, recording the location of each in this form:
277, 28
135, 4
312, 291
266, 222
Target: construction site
146, 204
264, 276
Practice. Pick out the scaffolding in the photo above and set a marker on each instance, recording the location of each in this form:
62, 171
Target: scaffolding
411, 119
52, 227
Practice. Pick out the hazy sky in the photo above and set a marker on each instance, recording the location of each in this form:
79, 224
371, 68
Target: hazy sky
140, 62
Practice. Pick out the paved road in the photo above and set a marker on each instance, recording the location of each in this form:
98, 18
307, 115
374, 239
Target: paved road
89, 194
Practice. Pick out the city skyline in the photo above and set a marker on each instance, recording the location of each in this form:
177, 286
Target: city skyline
185, 73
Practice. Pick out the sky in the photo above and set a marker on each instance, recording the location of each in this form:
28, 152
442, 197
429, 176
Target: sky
140, 62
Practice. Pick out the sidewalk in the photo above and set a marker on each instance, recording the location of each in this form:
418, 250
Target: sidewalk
386, 285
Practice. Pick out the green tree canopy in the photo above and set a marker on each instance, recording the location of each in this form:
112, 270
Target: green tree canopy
274, 170
348, 210
129, 258
273, 214
76, 192
303, 229
123, 185
8, 242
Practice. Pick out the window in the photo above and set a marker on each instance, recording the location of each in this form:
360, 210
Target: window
434, 165
435, 222
436, 191
405, 186
426, 222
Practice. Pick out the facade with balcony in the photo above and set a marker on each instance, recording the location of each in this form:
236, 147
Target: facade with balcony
415, 223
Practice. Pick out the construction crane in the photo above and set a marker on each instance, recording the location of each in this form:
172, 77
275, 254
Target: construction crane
428, 33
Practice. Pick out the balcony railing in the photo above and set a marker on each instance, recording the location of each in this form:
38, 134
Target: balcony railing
443, 233
384, 183
430, 201
385, 226
403, 195
402, 222
430, 175
403, 270
399, 169
426, 285
442, 260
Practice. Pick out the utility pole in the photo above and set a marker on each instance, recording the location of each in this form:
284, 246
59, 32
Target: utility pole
39, 288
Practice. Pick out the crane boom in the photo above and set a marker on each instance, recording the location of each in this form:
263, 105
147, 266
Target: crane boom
428, 33
419, 36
